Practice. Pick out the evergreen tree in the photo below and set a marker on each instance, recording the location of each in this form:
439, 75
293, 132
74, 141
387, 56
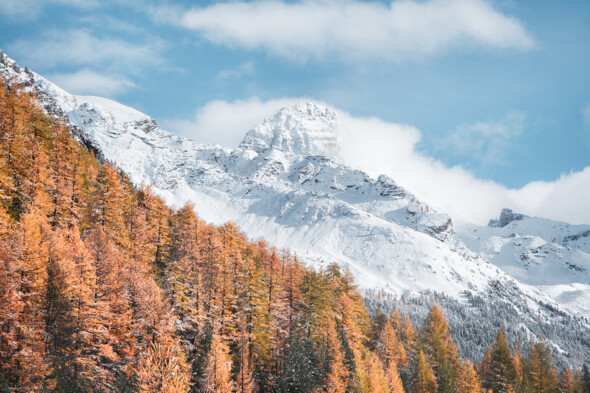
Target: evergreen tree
392, 355
441, 350
108, 203
10, 299
218, 369
337, 379
500, 374
538, 374
567, 382
468, 380
423, 379
35, 237
245, 372
164, 369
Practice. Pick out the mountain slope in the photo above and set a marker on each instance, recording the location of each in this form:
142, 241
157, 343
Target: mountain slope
284, 184
552, 256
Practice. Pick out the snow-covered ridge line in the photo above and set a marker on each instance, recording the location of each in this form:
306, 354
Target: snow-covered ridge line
285, 184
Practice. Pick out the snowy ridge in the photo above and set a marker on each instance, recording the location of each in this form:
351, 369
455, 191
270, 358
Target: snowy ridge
553, 256
285, 184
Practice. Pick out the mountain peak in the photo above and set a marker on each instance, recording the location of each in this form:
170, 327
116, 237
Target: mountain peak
506, 217
303, 129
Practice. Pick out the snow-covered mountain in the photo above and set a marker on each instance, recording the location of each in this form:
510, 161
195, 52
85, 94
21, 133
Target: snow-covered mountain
552, 256
285, 184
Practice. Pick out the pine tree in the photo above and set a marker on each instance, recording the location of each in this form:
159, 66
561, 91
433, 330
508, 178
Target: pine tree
112, 297
468, 380
164, 369
539, 376
245, 374
34, 238
501, 372
66, 182
392, 354
441, 350
108, 203
78, 337
218, 368
376, 376
11, 304
338, 377
567, 382
423, 379
377, 325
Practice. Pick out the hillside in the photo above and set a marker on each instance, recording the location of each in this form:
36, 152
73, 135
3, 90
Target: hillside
284, 184
105, 289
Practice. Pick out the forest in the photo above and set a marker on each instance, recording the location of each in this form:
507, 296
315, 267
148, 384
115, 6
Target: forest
103, 288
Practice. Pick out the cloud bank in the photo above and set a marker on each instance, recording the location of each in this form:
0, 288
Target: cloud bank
380, 147
354, 29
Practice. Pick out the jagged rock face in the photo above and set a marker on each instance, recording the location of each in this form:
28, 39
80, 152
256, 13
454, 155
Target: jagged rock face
506, 217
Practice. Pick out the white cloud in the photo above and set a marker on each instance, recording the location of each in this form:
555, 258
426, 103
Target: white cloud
80, 48
88, 82
226, 123
378, 147
353, 29
485, 141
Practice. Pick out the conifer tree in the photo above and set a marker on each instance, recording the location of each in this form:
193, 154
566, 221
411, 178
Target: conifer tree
78, 338
218, 368
112, 298
392, 354
164, 369
245, 373
441, 350
567, 382
377, 380
108, 204
377, 325
423, 379
538, 374
467, 379
338, 377
501, 373
35, 237
11, 304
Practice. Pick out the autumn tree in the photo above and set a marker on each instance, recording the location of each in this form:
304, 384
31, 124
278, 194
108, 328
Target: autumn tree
218, 368
538, 374
440, 349
500, 374
163, 369
423, 379
392, 354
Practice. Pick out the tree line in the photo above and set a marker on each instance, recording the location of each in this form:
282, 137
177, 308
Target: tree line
103, 288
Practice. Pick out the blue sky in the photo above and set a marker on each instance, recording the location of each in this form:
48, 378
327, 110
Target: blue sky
500, 89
